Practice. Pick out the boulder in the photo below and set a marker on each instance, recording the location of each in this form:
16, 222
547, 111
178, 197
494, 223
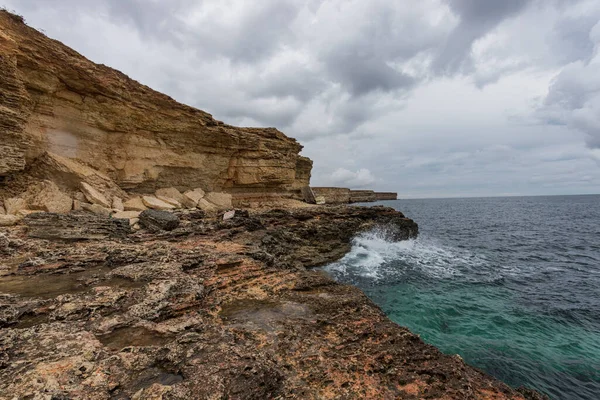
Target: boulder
134, 204
170, 201
156, 204
192, 197
46, 196
14, 204
9, 220
221, 200
94, 196
97, 209
117, 204
157, 220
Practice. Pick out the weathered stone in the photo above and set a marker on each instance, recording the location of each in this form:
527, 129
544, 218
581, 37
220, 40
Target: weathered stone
74, 226
205, 205
94, 196
170, 201
171, 193
46, 196
78, 205
9, 220
158, 220
14, 204
96, 209
193, 197
221, 200
228, 215
80, 197
117, 204
156, 204
127, 214
133, 221
134, 204
320, 200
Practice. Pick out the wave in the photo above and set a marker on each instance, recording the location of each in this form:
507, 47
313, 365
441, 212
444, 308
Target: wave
373, 257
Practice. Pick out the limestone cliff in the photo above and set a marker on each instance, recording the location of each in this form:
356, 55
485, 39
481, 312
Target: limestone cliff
54, 100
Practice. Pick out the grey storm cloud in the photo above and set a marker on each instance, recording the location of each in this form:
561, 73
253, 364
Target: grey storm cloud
420, 95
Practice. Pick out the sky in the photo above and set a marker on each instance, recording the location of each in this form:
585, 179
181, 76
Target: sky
429, 98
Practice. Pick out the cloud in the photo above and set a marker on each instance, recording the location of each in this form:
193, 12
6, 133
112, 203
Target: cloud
346, 178
431, 97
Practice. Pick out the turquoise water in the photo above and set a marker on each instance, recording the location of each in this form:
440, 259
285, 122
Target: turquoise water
510, 284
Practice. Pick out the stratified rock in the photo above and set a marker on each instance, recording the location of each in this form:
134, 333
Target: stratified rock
9, 220
94, 196
158, 220
333, 195
192, 197
135, 204
156, 204
117, 204
54, 100
221, 200
74, 226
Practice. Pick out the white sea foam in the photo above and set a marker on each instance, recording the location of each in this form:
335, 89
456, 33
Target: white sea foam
373, 257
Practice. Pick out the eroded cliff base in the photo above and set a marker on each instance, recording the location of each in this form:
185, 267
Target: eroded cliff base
212, 309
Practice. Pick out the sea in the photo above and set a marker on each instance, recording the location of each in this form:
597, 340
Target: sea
511, 284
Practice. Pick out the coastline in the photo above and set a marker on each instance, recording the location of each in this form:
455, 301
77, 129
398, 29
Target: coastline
212, 309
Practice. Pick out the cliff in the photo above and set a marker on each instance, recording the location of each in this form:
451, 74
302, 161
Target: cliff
337, 195
53, 100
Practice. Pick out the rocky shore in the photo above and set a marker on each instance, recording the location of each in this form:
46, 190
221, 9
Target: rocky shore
221, 307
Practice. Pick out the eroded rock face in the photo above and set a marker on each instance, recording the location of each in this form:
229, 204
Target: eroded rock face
54, 101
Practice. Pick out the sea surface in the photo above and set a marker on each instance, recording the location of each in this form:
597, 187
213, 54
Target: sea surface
511, 284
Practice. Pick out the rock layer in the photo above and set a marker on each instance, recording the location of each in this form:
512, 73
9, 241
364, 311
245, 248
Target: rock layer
55, 101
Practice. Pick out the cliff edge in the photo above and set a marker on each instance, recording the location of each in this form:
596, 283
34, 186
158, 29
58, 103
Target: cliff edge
55, 101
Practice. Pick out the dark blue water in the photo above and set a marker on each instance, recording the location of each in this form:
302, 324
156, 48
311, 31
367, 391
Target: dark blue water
511, 284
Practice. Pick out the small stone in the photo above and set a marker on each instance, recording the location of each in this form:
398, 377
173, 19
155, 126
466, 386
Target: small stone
9, 220
159, 220
94, 196
228, 215
136, 227
96, 209
134, 221
193, 197
156, 204
134, 204
170, 201
320, 200
117, 204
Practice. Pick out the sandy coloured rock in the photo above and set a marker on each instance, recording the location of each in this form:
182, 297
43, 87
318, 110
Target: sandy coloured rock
220, 200
96, 209
14, 204
46, 196
172, 193
9, 220
127, 214
94, 196
193, 197
117, 204
156, 204
134, 204
170, 201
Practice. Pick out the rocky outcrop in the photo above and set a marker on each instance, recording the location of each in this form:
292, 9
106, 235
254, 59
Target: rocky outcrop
58, 108
380, 196
333, 195
213, 309
362, 196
